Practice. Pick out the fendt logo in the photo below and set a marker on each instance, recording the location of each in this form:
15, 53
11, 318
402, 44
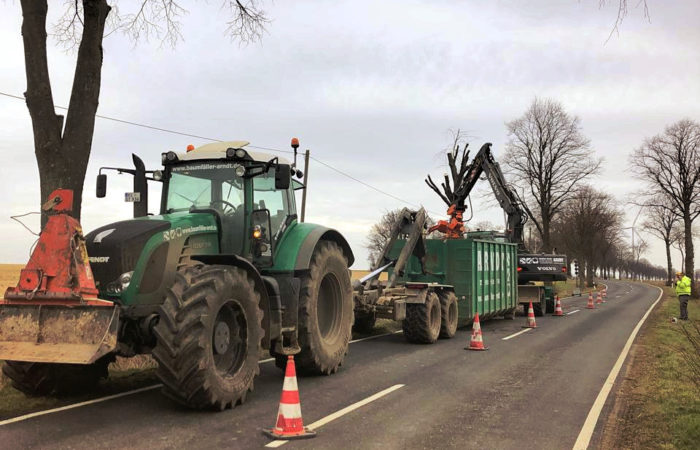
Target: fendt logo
98, 259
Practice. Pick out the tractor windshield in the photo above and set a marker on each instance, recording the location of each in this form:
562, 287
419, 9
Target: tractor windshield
204, 185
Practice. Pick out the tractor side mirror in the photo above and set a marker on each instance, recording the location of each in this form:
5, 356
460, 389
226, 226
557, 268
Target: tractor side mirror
101, 186
283, 176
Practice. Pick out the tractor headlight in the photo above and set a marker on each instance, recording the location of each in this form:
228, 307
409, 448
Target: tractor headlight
239, 170
125, 279
119, 285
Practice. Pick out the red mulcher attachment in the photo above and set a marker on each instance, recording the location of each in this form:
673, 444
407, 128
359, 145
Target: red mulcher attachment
54, 315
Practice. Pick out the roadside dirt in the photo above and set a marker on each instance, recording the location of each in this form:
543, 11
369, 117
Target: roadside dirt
653, 404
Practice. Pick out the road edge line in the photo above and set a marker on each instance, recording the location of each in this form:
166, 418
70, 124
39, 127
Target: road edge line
586, 433
348, 409
375, 337
77, 405
516, 334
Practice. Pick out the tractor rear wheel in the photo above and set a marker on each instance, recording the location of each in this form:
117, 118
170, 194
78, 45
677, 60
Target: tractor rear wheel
449, 315
422, 322
37, 379
325, 312
209, 337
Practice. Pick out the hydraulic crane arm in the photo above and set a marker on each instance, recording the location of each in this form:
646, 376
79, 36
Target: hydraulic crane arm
484, 163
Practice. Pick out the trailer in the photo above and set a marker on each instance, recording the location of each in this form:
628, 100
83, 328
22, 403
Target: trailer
461, 276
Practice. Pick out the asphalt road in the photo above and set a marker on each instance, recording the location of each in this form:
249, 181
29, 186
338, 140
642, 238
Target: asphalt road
531, 391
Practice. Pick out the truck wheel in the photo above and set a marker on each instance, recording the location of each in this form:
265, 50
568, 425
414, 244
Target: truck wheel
510, 314
448, 315
364, 323
539, 308
422, 322
36, 379
325, 311
550, 306
209, 337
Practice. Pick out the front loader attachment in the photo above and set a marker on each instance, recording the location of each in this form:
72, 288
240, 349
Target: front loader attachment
78, 334
53, 315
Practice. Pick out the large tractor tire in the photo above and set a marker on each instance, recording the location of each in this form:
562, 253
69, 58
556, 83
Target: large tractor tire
37, 379
325, 312
209, 337
449, 315
422, 322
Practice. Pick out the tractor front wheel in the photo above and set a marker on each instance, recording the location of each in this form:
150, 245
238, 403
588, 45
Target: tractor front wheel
209, 337
325, 312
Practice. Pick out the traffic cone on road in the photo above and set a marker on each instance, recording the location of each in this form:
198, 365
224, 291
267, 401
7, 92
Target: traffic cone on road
530, 323
605, 294
289, 422
590, 304
476, 342
600, 299
557, 309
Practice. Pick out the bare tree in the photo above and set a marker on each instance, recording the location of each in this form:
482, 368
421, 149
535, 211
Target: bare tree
548, 153
660, 221
622, 11
63, 149
380, 232
587, 226
670, 164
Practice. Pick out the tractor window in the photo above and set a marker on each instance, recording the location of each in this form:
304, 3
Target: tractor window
265, 196
185, 191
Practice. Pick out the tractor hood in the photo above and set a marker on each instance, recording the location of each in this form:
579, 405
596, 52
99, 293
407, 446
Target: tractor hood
114, 249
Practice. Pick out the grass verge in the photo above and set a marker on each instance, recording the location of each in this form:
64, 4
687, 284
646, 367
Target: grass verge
658, 402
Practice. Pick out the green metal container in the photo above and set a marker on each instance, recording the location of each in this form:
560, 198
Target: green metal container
483, 273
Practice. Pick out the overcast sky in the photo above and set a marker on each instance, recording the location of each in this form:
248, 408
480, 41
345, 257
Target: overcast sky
372, 89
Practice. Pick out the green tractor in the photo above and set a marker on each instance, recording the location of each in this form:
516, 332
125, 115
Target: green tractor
224, 272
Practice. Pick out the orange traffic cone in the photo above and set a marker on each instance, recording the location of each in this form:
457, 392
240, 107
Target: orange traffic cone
476, 342
289, 422
590, 304
605, 294
530, 318
600, 299
557, 309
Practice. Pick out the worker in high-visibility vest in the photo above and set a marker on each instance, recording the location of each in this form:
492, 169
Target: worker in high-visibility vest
683, 292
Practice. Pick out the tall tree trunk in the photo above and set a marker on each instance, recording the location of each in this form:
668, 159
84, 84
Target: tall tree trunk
546, 233
689, 251
62, 157
669, 263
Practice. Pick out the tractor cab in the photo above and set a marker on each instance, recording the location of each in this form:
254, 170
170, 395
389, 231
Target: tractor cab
250, 194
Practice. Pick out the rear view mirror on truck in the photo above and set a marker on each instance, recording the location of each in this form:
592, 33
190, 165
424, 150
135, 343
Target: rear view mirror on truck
101, 186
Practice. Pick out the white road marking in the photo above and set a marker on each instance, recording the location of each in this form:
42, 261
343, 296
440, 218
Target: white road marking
135, 391
375, 337
574, 311
77, 405
516, 334
584, 437
329, 418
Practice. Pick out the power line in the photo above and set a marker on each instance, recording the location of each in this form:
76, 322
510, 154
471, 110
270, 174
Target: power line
180, 133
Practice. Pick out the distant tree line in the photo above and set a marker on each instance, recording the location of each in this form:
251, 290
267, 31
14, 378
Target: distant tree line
549, 161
